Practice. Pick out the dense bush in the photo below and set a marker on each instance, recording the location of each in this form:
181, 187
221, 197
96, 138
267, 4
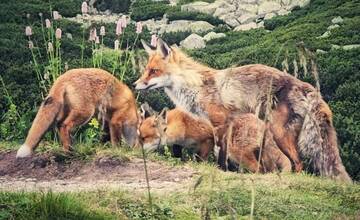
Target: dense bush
115, 6
146, 9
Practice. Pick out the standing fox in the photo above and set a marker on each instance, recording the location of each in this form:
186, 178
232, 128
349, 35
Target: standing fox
177, 128
75, 98
301, 120
243, 138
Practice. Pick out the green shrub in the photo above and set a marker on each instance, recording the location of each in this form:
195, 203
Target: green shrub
146, 9
115, 6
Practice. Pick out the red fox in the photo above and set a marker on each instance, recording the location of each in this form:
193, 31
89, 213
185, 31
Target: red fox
75, 98
301, 120
243, 136
177, 128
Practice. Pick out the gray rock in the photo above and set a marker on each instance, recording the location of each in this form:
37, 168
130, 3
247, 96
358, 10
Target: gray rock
319, 51
268, 6
69, 36
250, 8
324, 35
337, 20
195, 6
193, 41
230, 19
200, 26
245, 27
283, 12
269, 16
246, 18
350, 47
334, 26
335, 47
212, 35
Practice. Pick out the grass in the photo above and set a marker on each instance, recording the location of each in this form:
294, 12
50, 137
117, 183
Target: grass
214, 193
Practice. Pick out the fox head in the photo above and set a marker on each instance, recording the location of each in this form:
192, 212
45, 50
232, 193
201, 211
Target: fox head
152, 129
157, 71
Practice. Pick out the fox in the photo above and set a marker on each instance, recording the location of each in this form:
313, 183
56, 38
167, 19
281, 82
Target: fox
250, 144
175, 127
301, 121
76, 97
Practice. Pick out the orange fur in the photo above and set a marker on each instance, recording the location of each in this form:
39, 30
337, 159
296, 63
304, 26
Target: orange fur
76, 97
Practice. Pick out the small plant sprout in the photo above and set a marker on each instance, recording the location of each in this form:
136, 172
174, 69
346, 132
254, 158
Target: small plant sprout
84, 8
50, 47
28, 31
119, 27
116, 45
102, 31
47, 23
58, 33
31, 45
56, 15
138, 27
153, 40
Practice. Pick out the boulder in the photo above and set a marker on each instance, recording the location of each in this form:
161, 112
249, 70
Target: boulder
337, 20
350, 47
246, 18
230, 19
269, 16
325, 35
193, 41
212, 35
283, 12
245, 27
250, 8
268, 7
334, 26
200, 26
195, 6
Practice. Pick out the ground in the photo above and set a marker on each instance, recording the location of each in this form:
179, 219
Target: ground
101, 182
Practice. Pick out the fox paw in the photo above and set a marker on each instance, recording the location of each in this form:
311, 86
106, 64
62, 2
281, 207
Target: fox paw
24, 151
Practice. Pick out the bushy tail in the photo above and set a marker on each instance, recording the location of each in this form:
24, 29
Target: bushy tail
45, 117
317, 139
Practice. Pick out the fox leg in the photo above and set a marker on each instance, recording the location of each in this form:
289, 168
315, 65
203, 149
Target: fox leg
205, 148
73, 119
115, 128
284, 138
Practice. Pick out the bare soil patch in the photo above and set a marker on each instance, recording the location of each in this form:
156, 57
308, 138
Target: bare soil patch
52, 172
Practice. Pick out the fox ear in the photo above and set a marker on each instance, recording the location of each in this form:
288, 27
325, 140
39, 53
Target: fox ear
163, 48
147, 48
146, 110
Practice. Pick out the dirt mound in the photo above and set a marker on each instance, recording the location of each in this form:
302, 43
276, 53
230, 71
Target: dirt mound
54, 172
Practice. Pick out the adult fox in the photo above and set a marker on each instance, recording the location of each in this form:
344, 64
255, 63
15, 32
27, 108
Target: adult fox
176, 127
301, 120
75, 98
247, 139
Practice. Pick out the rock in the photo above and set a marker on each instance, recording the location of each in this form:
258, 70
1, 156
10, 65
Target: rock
337, 20
230, 19
246, 18
335, 47
295, 3
283, 12
319, 51
193, 41
69, 36
245, 27
324, 35
267, 7
195, 7
269, 16
250, 8
260, 24
212, 35
334, 26
200, 26
175, 26
225, 9
350, 47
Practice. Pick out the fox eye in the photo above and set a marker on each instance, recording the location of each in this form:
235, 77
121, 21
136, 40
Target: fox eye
152, 71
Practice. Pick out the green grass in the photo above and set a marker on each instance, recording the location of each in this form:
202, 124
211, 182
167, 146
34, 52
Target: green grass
212, 192
217, 194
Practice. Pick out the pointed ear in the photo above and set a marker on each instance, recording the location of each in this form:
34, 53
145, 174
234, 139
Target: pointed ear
163, 48
146, 110
147, 48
